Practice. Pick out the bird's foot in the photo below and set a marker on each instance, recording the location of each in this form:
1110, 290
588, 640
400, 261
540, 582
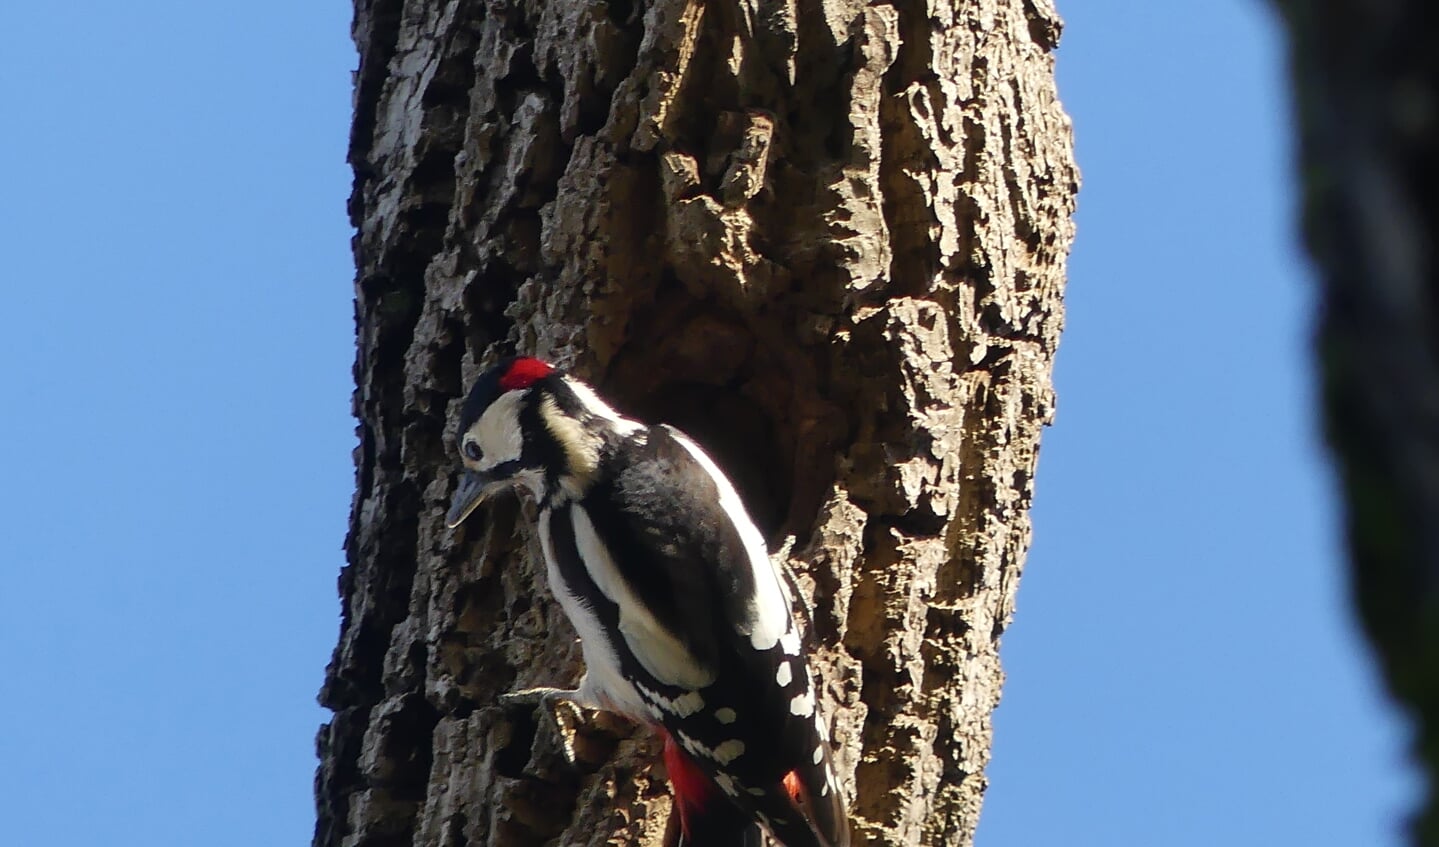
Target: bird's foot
561, 706
541, 696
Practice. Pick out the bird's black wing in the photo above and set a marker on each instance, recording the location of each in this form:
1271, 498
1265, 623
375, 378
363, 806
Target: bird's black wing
691, 557
686, 551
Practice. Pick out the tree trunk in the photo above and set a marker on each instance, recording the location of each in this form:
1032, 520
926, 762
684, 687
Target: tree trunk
1367, 87
828, 240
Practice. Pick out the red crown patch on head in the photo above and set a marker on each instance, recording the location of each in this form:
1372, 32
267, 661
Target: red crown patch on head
524, 372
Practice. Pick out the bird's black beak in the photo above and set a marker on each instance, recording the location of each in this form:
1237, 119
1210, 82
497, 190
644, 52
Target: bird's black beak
474, 488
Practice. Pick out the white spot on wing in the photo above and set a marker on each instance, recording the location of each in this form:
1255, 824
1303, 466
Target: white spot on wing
758, 792
768, 609
695, 747
684, 705
728, 751
654, 646
818, 755
802, 705
822, 728
783, 675
725, 753
688, 704
725, 715
727, 784
790, 641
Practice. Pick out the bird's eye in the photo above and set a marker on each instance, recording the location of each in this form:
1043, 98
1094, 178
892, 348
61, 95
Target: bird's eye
472, 451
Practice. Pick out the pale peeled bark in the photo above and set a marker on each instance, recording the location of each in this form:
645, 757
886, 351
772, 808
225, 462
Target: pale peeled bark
828, 239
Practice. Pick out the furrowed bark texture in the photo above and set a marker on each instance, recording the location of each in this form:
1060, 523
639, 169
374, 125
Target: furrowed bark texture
827, 239
1366, 80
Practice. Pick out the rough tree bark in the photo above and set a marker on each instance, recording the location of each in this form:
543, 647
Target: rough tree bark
826, 238
1367, 87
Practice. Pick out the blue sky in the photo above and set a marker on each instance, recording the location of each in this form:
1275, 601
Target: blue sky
1183, 668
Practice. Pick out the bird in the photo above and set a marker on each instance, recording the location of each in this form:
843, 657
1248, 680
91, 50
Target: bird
684, 622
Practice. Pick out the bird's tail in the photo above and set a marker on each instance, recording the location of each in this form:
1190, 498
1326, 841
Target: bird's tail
707, 817
806, 808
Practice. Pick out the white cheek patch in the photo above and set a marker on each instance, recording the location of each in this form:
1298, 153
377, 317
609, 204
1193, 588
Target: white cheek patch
498, 431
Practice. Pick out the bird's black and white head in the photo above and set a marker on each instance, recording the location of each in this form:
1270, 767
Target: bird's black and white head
527, 424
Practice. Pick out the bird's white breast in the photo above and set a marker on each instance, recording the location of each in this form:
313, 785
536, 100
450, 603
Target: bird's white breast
603, 676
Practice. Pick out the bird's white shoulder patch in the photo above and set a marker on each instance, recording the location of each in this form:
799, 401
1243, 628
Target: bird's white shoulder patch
655, 647
769, 611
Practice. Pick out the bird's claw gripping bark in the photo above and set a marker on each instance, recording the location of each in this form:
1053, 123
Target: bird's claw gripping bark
537, 697
565, 722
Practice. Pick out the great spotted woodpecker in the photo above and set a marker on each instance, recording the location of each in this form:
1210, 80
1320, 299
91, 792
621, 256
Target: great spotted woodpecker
684, 623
